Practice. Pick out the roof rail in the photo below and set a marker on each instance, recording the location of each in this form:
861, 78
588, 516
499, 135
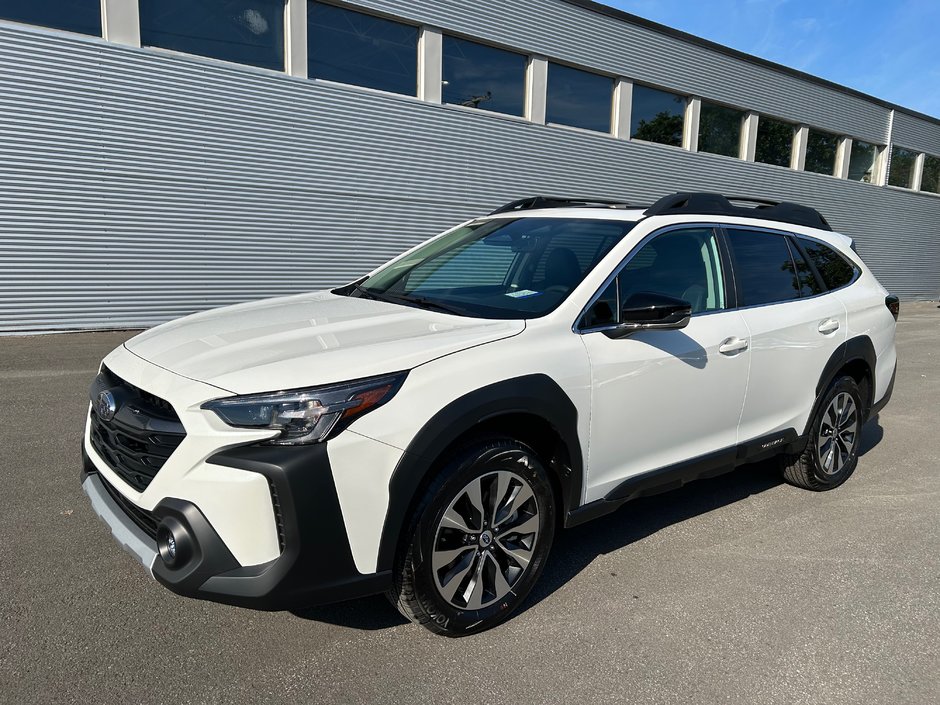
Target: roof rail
536, 202
716, 204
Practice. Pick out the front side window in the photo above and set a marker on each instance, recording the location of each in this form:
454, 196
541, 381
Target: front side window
931, 178
579, 98
719, 130
774, 142
362, 50
862, 161
242, 31
657, 116
764, 271
902, 167
480, 76
81, 16
821, 149
501, 268
834, 269
684, 264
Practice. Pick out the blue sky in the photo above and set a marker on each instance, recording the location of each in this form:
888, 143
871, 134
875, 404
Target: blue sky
888, 49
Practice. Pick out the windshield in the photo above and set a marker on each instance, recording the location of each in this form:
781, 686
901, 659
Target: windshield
502, 268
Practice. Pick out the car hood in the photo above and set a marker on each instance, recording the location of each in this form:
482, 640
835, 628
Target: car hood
308, 340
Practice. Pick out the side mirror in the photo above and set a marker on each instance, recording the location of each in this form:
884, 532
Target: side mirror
648, 311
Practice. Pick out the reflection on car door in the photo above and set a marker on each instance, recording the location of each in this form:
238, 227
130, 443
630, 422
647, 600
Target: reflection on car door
665, 396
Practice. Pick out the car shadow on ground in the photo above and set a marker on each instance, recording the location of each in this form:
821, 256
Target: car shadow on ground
577, 548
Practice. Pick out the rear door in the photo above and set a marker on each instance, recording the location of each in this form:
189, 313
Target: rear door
794, 327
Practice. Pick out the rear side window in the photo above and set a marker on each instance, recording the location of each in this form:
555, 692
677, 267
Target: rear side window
809, 284
763, 269
834, 269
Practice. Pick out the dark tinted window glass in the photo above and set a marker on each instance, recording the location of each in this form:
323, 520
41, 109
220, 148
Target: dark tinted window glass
774, 142
719, 130
902, 167
809, 285
350, 47
83, 16
479, 76
657, 116
821, 148
862, 161
763, 269
931, 180
832, 267
243, 31
684, 264
579, 98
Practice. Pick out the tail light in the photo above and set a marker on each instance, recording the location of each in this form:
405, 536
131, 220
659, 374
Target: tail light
894, 305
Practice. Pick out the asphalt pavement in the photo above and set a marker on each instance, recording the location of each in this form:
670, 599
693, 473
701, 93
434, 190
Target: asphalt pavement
739, 589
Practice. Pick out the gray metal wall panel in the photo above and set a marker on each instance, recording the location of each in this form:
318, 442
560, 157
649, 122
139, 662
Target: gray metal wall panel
137, 186
914, 133
566, 32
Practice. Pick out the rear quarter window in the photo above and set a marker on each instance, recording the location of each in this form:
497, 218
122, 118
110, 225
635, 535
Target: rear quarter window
835, 270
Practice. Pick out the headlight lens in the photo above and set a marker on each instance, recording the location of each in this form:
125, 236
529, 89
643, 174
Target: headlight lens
306, 416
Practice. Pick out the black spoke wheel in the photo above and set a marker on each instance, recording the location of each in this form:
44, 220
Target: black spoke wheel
478, 540
831, 453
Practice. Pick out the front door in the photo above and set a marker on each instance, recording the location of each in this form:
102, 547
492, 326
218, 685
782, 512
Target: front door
667, 396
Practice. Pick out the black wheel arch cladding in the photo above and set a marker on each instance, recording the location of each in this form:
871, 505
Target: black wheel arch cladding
537, 395
858, 349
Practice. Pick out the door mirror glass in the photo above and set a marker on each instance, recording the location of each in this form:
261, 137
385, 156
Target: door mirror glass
646, 310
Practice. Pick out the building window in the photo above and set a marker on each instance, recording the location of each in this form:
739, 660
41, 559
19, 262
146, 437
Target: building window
82, 16
579, 98
931, 179
719, 130
351, 47
862, 161
657, 116
821, 149
774, 142
242, 31
902, 167
480, 76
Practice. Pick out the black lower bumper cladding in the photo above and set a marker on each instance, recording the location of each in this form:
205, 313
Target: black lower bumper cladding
316, 564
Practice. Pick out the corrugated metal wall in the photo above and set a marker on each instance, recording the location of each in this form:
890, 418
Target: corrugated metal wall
138, 186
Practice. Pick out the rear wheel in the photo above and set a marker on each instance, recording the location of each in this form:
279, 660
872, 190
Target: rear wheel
831, 454
478, 541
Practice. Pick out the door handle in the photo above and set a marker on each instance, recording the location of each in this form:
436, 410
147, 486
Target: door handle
830, 325
732, 345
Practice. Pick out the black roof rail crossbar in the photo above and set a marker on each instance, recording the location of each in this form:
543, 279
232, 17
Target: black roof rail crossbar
536, 202
716, 204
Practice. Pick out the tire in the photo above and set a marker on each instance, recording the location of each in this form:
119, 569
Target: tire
458, 576
825, 464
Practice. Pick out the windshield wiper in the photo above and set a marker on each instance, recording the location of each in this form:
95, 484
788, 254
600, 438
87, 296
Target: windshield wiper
409, 299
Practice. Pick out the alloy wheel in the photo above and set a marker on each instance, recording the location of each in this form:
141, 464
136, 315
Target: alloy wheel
838, 433
485, 540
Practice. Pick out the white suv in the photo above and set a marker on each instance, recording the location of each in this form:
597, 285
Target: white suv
425, 430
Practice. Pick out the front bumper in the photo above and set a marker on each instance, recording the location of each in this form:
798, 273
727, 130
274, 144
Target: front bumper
315, 565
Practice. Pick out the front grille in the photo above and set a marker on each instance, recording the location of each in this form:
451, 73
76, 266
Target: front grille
141, 436
144, 519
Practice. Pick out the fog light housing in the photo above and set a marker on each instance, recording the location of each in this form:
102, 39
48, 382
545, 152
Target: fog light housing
173, 543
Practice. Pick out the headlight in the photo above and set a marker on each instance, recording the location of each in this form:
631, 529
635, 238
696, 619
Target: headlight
307, 415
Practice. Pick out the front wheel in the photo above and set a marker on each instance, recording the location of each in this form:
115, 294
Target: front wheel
478, 540
831, 453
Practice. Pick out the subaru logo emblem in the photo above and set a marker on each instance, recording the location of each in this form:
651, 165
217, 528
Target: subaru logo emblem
106, 405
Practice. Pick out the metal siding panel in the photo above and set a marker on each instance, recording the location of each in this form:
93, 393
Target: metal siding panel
137, 186
917, 134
